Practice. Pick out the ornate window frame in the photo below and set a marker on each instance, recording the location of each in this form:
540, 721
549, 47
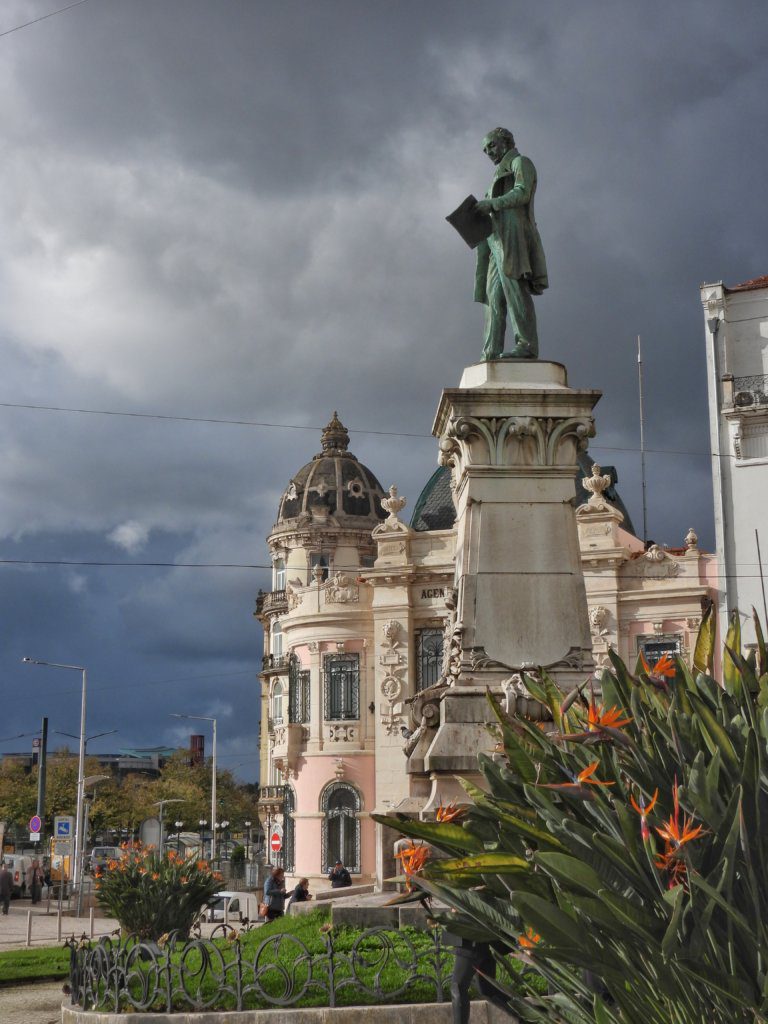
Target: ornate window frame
298, 692
341, 687
276, 639
278, 574
664, 643
278, 698
429, 641
289, 831
348, 828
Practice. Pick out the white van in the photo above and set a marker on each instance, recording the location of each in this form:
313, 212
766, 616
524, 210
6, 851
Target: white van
17, 864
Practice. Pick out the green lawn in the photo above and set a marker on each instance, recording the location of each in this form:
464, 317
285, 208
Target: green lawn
280, 967
31, 964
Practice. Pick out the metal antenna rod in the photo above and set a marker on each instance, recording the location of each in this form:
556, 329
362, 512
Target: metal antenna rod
642, 439
762, 579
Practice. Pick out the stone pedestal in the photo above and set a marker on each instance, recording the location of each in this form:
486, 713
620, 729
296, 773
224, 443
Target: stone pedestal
511, 433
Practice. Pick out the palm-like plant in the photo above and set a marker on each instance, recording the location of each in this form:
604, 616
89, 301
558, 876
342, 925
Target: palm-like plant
624, 853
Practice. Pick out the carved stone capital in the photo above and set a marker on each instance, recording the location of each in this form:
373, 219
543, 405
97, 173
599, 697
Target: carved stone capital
514, 440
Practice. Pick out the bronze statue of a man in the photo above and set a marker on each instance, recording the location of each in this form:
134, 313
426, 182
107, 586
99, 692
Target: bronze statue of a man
510, 263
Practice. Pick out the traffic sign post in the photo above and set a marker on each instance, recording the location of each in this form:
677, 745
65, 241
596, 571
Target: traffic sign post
276, 842
63, 826
35, 824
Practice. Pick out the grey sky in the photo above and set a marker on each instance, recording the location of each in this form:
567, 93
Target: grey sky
236, 209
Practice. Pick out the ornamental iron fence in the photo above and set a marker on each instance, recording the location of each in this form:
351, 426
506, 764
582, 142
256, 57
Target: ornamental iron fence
186, 975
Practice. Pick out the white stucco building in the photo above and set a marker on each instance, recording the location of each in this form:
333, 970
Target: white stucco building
736, 324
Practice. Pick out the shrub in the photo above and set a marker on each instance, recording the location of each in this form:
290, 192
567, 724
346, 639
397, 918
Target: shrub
152, 894
237, 861
624, 853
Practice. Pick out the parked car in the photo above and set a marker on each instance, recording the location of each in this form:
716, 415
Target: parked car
100, 855
242, 906
17, 864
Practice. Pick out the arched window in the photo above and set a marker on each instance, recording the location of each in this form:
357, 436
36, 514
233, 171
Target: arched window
276, 640
278, 574
341, 804
289, 831
277, 704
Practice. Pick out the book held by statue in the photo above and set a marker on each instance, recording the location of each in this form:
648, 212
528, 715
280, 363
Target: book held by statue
473, 227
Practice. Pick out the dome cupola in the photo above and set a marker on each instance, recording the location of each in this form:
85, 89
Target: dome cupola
335, 483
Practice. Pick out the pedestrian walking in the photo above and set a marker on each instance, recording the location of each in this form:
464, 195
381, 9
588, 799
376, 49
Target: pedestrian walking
474, 960
274, 894
6, 887
34, 878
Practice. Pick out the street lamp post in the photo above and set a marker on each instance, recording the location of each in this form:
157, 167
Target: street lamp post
206, 718
76, 874
179, 825
203, 822
247, 840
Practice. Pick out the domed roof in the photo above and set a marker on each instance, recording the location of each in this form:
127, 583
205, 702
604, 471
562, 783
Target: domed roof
434, 509
334, 484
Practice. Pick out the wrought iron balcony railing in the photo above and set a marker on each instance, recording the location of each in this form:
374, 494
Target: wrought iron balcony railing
271, 602
275, 662
750, 392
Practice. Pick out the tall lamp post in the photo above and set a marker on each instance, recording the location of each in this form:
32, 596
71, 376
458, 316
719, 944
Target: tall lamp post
76, 874
206, 718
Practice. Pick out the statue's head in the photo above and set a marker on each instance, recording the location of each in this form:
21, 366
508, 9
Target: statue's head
497, 143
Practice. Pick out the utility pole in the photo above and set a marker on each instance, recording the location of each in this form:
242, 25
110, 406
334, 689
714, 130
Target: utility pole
642, 439
42, 758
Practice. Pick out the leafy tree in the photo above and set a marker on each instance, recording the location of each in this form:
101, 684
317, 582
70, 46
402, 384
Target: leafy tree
624, 854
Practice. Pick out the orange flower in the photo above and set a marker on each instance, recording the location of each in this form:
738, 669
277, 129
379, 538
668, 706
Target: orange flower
184, 879
450, 812
111, 864
202, 865
530, 939
155, 876
413, 860
665, 666
644, 809
172, 855
583, 778
599, 718
675, 835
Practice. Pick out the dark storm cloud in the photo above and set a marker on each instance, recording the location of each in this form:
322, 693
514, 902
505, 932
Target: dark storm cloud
236, 210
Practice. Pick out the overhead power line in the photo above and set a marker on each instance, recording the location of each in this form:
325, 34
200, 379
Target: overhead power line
168, 417
43, 17
336, 568
196, 419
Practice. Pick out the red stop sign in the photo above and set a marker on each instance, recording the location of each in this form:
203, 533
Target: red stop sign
276, 842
